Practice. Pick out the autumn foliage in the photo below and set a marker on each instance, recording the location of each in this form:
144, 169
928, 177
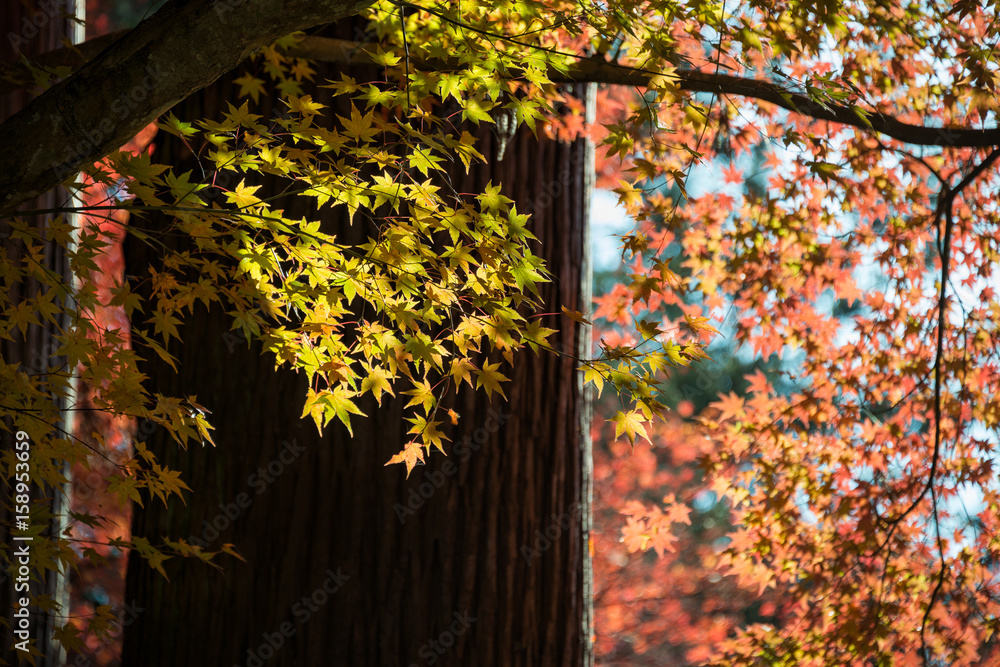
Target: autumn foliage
858, 473
813, 186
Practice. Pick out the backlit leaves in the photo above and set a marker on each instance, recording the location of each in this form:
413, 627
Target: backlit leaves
815, 249
851, 499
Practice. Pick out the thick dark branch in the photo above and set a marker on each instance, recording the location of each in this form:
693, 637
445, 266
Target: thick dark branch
190, 43
184, 47
598, 71
766, 91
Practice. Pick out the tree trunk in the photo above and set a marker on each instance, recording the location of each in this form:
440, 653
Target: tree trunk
479, 558
30, 29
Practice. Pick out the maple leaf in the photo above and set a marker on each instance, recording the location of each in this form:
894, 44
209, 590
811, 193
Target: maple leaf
176, 127
631, 424
648, 329
429, 432
303, 105
424, 161
594, 372
537, 335
476, 109
68, 635
699, 324
526, 274
490, 378
423, 348
326, 405
359, 127
634, 535
377, 381
575, 315
241, 116
491, 199
243, 195
423, 395
730, 405
381, 57
250, 85
155, 557
340, 404
630, 197
679, 513
411, 455
461, 370
662, 541
732, 174
847, 289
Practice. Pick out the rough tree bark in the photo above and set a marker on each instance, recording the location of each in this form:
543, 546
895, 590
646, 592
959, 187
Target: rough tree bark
498, 538
30, 30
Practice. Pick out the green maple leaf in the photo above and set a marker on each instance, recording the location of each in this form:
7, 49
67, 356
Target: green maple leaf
424, 161
525, 274
477, 109
325, 405
491, 199
177, 127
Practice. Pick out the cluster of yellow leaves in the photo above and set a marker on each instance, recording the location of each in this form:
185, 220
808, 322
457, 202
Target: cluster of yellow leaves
439, 292
442, 283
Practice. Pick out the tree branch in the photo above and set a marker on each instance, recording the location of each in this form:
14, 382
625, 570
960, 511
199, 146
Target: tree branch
190, 43
184, 47
590, 70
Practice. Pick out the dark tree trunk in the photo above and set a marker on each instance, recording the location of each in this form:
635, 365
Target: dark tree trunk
479, 558
29, 29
